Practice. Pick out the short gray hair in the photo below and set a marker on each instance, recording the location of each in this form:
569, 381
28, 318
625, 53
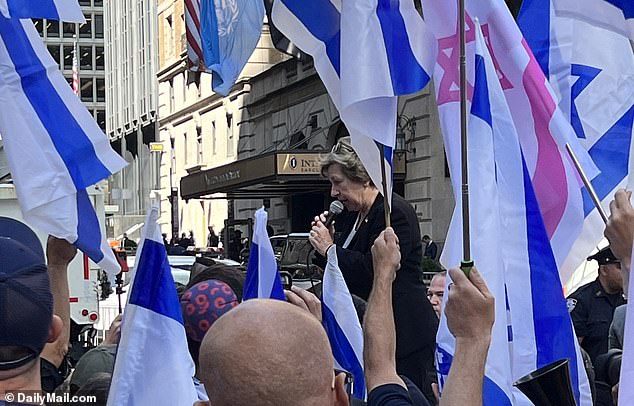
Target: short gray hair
343, 154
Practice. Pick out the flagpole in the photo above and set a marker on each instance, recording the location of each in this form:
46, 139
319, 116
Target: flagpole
467, 263
386, 201
587, 184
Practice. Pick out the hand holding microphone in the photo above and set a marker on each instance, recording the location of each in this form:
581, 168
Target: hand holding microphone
321, 237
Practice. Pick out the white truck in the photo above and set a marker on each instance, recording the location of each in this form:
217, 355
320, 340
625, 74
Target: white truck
82, 272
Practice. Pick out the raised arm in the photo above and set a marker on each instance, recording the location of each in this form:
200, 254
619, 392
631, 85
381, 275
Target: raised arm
470, 311
379, 351
59, 254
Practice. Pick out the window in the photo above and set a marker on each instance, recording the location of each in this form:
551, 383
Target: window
98, 26
101, 119
199, 145
52, 28
185, 149
84, 2
213, 138
55, 52
171, 94
85, 61
68, 57
69, 30
229, 135
86, 89
173, 153
99, 58
85, 30
170, 34
69, 79
39, 26
101, 89
98, 3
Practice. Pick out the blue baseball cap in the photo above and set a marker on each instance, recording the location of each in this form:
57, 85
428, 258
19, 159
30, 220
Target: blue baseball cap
26, 301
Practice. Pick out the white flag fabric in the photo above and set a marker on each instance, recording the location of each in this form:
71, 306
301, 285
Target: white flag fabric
55, 149
342, 324
367, 53
263, 278
594, 85
532, 326
615, 15
65, 10
153, 365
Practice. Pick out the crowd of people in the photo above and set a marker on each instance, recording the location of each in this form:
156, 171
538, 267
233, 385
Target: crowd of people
271, 352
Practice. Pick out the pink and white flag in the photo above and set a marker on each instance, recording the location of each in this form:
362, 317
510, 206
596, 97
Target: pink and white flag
542, 127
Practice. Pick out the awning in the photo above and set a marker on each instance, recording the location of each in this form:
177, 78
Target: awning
275, 174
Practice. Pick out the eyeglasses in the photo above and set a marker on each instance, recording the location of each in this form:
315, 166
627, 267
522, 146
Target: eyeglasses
339, 146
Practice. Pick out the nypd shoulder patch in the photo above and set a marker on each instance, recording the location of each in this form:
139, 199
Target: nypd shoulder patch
571, 304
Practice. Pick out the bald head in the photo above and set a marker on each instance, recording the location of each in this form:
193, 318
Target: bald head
267, 352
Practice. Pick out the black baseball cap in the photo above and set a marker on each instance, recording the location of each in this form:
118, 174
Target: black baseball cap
26, 301
604, 257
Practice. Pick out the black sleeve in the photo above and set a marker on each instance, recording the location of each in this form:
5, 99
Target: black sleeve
356, 266
579, 315
52, 377
389, 395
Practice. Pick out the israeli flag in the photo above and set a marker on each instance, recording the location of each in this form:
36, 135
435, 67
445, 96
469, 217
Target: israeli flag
54, 147
367, 53
614, 15
65, 10
263, 278
153, 365
230, 30
342, 324
487, 225
594, 85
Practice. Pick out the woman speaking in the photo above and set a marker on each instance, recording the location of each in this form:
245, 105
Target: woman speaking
357, 227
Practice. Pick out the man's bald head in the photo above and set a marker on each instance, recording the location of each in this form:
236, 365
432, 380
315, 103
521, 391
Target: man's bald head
267, 352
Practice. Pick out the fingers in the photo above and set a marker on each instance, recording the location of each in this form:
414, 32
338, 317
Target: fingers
476, 278
622, 198
304, 299
293, 298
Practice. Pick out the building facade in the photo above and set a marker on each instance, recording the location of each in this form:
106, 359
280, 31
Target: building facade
198, 129
60, 39
131, 52
288, 120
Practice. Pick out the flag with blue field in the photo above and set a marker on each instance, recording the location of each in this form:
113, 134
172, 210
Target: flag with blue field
153, 365
263, 279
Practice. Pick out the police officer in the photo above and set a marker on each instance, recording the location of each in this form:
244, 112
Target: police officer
592, 306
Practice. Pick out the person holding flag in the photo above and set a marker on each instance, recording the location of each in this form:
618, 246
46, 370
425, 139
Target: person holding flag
360, 224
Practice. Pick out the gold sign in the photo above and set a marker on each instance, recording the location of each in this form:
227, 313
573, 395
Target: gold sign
156, 146
298, 164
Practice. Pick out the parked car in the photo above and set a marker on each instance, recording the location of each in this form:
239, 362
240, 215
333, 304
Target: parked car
296, 262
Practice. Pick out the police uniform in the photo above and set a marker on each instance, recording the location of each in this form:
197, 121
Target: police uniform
592, 309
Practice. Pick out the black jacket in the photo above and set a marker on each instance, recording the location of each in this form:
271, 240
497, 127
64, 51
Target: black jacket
416, 323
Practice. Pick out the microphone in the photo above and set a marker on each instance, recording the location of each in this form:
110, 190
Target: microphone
336, 207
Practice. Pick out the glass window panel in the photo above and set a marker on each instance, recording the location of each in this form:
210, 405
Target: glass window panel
99, 58
52, 28
39, 26
86, 89
55, 52
101, 119
68, 57
84, 2
98, 26
98, 3
85, 30
69, 30
85, 61
101, 89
